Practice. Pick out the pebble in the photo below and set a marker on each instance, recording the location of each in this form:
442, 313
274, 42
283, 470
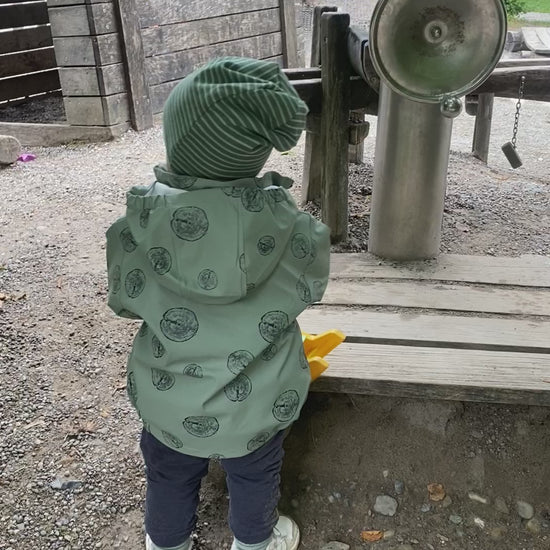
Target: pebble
501, 506
533, 526
425, 508
453, 518
10, 149
389, 534
477, 498
64, 484
524, 509
447, 501
385, 505
335, 545
399, 487
497, 532
479, 522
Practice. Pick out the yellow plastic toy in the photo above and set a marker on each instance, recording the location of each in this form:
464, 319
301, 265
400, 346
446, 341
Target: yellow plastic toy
316, 346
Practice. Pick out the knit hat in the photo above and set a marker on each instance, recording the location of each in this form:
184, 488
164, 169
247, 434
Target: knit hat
222, 121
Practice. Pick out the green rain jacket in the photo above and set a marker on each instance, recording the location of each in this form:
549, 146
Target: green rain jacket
218, 272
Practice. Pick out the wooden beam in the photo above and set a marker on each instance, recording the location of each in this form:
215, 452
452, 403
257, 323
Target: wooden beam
287, 13
29, 84
504, 82
312, 172
23, 15
335, 71
29, 61
141, 113
25, 39
482, 128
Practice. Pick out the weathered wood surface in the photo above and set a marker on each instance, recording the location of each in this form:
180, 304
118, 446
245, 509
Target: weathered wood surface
97, 111
428, 373
89, 81
25, 85
335, 75
82, 20
192, 34
481, 341
174, 66
537, 39
164, 12
287, 13
504, 82
56, 3
141, 114
366, 326
312, 172
23, 15
523, 62
25, 39
527, 270
482, 127
82, 51
27, 62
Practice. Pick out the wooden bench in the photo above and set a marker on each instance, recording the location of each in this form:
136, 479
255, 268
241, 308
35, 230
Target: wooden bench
470, 328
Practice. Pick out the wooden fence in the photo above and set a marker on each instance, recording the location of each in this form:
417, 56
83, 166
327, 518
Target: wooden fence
27, 57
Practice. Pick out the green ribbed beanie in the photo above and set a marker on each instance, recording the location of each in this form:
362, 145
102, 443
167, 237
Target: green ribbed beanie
222, 121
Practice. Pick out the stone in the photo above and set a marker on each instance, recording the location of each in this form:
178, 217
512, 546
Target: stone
389, 534
335, 545
501, 506
497, 533
479, 522
385, 505
524, 509
447, 501
10, 149
399, 487
477, 498
64, 484
453, 518
425, 508
533, 526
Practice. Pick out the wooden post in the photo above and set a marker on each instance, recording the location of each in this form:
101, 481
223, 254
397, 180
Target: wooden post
335, 75
288, 30
356, 151
141, 112
311, 179
482, 129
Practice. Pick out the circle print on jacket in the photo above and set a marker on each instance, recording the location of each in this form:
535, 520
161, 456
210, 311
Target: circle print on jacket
300, 245
189, 223
272, 324
201, 426
193, 370
144, 217
116, 279
253, 199
207, 279
239, 360
266, 244
160, 259
127, 240
162, 380
238, 389
131, 388
158, 348
179, 324
258, 441
286, 405
172, 440
303, 290
134, 283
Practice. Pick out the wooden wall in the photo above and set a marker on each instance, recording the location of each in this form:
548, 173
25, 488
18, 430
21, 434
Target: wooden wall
27, 57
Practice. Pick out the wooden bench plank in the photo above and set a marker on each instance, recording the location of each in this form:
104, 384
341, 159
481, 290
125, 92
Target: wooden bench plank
437, 296
25, 39
450, 331
27, 62
29, 84
430, 373
526, 270
23, 15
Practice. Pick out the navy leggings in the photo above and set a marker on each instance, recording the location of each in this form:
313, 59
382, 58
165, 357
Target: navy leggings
173, 483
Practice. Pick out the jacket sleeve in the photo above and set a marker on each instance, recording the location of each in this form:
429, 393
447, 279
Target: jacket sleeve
317, 272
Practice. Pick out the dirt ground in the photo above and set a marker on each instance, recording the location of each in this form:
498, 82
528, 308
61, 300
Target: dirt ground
64, 414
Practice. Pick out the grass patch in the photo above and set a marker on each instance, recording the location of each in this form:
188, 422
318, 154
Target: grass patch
540, 6
515, 24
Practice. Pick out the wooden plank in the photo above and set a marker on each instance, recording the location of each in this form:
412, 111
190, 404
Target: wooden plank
527, 270
25, 39
335, 74
302, 73
82, 51
192, 34
437, 296
29, 84
56, 3
464, 375
23, 15
164, 12
89, 81
449, 331
82, 20
141, 115
287, 12
27, 62
537, 39
504, 82
51, 135
482, 127
163, 68
523, 62
313, 163
97, 111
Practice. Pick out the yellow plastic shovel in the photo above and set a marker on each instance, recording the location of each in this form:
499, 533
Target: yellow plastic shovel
316, 346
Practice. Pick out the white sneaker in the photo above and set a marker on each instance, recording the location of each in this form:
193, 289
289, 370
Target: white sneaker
150, 545
286, 535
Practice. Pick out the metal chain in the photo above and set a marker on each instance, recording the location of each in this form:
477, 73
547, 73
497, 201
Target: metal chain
518, 109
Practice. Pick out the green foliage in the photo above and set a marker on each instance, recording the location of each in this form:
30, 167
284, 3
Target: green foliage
514, 7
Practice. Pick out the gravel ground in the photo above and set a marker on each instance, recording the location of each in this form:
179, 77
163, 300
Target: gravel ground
64, 416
